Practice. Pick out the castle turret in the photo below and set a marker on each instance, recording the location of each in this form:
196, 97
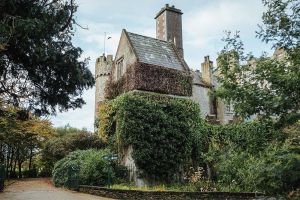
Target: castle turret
102, 72
206, 68
169, 26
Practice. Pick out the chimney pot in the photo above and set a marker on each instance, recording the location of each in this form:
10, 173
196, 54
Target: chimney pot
206, 58
167, 5
173, 6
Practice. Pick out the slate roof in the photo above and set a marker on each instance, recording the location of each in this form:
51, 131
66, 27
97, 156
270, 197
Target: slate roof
197, 80
154, 51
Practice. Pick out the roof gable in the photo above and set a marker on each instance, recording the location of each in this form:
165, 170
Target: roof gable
155, 52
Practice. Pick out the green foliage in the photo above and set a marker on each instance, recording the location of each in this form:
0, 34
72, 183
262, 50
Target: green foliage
88, 167
270, 87
67, 169
159, 128
252, 156
21, 138
273, 170
37, 57
261, 156
57, 148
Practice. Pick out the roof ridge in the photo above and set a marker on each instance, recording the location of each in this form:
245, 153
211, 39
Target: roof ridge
148, 37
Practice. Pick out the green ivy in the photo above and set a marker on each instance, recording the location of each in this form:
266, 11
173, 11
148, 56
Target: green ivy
160, 129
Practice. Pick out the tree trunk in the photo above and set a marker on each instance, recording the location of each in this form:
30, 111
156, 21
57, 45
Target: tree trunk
20, 169
11, 160
30, 160
15, 166
7, 160
209, 171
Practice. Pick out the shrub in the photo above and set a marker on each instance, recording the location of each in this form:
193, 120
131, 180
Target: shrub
251, 156
67, 169
95, 170
87, 167
274, 170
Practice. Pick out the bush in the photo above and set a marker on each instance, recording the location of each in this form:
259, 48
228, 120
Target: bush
274, 170
67, 169
95, 170
251, 156
88, 167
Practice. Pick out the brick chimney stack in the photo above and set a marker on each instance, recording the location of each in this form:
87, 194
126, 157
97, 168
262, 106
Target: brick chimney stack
169, 26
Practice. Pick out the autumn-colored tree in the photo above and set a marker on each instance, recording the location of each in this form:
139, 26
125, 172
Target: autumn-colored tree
21, 138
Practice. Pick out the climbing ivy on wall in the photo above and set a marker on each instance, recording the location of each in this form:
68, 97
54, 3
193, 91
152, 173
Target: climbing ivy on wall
160, 129
146, 77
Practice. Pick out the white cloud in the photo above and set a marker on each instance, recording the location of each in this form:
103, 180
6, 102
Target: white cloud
203, 27
209, 22
79, 118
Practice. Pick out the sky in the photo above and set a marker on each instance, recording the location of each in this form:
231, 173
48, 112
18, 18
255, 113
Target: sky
203, 23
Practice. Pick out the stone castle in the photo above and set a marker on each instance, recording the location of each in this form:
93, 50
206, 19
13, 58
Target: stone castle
166, 50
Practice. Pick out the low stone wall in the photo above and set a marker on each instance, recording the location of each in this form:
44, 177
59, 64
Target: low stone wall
166, 195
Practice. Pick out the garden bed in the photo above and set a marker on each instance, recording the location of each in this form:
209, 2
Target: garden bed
165, 195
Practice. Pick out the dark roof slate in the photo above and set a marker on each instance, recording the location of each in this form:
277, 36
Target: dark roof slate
154, 51
197, 80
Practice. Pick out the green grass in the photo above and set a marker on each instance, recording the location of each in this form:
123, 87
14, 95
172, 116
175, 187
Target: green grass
173, 187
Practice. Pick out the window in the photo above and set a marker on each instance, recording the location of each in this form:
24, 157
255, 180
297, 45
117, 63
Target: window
119, 68
228, 108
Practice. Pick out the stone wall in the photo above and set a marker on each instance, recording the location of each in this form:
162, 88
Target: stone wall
125, 53
164, 195
200, 95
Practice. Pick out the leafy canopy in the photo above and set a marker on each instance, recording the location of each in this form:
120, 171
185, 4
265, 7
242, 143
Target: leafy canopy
39, 66
267, 86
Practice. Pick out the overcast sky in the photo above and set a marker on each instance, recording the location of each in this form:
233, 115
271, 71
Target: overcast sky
204, 23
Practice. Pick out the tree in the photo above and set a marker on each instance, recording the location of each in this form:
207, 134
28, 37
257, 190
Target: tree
39, 66
21, 139
269, 87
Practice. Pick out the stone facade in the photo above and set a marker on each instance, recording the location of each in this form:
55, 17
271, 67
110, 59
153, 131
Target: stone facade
125, 56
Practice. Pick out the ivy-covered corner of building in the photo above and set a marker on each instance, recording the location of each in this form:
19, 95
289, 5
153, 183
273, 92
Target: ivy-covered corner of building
160, 129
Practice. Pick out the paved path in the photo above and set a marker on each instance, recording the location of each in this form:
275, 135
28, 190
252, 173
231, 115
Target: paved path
42, 189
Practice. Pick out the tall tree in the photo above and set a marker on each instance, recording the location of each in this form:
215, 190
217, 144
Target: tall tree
267, 86
21, 139
39, 66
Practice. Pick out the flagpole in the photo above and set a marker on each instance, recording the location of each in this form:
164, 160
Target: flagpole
104, 42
